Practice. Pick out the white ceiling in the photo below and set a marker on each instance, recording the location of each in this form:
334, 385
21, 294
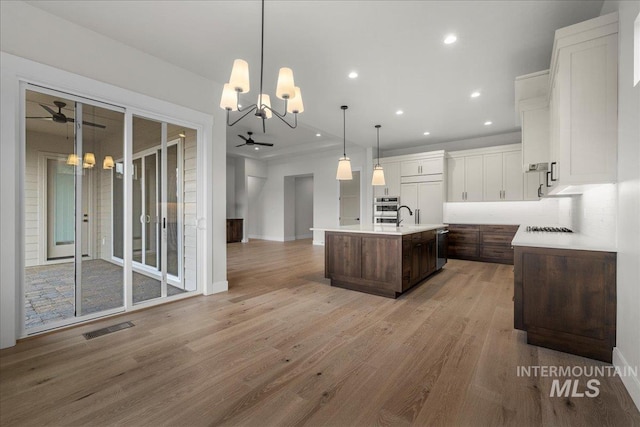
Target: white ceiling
395, 46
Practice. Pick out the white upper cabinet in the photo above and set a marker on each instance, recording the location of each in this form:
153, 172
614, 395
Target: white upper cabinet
391, 179
464, 179
421, 167
492, 164
426, 201
512, 177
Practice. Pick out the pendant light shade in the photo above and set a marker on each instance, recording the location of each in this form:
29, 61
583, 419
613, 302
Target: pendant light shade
378, 176
89, 160
285, 88
295, 105
72, 159
344, 164
266, 101
378, 172
229, 99
239, 80
107, 163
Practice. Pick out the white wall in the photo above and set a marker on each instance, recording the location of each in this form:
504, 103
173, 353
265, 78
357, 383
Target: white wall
255, 217
325, 190
94, 67
304, 207
627, 350
231, 187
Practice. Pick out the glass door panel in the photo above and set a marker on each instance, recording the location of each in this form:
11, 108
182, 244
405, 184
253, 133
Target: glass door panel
173, 186
68, 197
147, 276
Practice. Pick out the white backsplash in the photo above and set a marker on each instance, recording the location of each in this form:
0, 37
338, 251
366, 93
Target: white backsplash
542, 212
595, 212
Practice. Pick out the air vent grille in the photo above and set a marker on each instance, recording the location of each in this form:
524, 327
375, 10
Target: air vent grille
108, 330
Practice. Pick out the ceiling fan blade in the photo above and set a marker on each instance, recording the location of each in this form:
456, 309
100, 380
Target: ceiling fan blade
41, 118
266, 144
95, 125
240, 145
53, 113
243, 137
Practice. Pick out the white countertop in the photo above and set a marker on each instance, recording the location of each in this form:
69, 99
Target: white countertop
382, 228
575, 241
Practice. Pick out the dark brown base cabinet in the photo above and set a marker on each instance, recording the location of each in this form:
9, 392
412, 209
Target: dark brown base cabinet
234, 230
566, 300
487, 243
379, 264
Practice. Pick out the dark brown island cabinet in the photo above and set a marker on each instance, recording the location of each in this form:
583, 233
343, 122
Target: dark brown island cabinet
234, 230
566, 300
380, 264
477, 242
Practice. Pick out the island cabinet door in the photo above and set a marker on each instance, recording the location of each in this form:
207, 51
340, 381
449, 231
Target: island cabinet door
380, 255
406, 262
343, 255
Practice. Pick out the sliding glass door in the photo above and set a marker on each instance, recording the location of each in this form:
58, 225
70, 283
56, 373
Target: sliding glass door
87, 252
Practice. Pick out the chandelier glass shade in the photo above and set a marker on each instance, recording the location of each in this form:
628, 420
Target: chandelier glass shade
239, 83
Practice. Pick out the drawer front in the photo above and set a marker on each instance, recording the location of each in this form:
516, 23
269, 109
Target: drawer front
467, 237
462, 251
497, 239
456, 227
497, 253
499, 228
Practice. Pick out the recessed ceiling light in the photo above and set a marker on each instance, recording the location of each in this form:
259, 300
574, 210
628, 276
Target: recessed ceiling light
317, 134
256, 148
451, 38
475, 94
487, 123
399, 112
353, 75
426, 133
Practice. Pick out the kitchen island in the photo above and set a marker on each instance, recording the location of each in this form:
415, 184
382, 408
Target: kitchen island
380, 259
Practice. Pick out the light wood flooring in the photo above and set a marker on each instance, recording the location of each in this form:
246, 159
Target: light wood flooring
282, 347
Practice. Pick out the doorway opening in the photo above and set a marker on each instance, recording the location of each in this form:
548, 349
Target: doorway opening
298, 207
350, 200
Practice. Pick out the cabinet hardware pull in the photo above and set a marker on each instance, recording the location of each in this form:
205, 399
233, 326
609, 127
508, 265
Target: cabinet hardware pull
540, 191
548, 176
553, 171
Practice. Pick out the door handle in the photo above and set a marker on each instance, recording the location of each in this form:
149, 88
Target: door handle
141, 219
148, 219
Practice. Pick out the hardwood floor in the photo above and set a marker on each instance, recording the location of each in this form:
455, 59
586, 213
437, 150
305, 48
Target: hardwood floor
282, 347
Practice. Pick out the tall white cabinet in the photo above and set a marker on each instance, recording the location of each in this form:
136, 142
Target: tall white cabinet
464, 179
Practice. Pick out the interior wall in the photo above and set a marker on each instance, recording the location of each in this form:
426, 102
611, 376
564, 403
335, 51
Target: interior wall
231, 187
289, 211
303, 207
255, 218
627, 352
462, 144
325, 190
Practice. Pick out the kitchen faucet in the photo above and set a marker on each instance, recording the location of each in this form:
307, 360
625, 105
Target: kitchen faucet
398, 220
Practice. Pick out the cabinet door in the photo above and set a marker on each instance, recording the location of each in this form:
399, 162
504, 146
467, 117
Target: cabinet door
431, 256
588, 111
532, 182
409, 197
554, 130
455, 179
431, 166
392, 178
473, 178
492, 164
430, 202
410, 168
512, 176
416, 261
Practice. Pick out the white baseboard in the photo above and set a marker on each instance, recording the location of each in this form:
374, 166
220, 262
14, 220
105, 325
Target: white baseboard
217, 287
632, 383
318, 243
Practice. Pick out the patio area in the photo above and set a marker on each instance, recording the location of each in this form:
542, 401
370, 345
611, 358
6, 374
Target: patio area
50, 290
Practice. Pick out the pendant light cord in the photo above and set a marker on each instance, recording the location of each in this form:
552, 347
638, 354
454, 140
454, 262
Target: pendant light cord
344, 132
378, 131
261, 54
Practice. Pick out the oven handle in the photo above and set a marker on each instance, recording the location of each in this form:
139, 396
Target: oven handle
443, 231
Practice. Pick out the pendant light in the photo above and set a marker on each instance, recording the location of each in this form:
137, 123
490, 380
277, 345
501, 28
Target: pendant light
378, 172
344, 164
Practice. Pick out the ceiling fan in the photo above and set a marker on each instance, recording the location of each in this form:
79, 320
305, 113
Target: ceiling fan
250, 141
59, 117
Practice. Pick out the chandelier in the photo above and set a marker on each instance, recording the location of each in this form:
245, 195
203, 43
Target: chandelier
239, 83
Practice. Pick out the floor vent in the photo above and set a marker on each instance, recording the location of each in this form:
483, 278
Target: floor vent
108, 330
